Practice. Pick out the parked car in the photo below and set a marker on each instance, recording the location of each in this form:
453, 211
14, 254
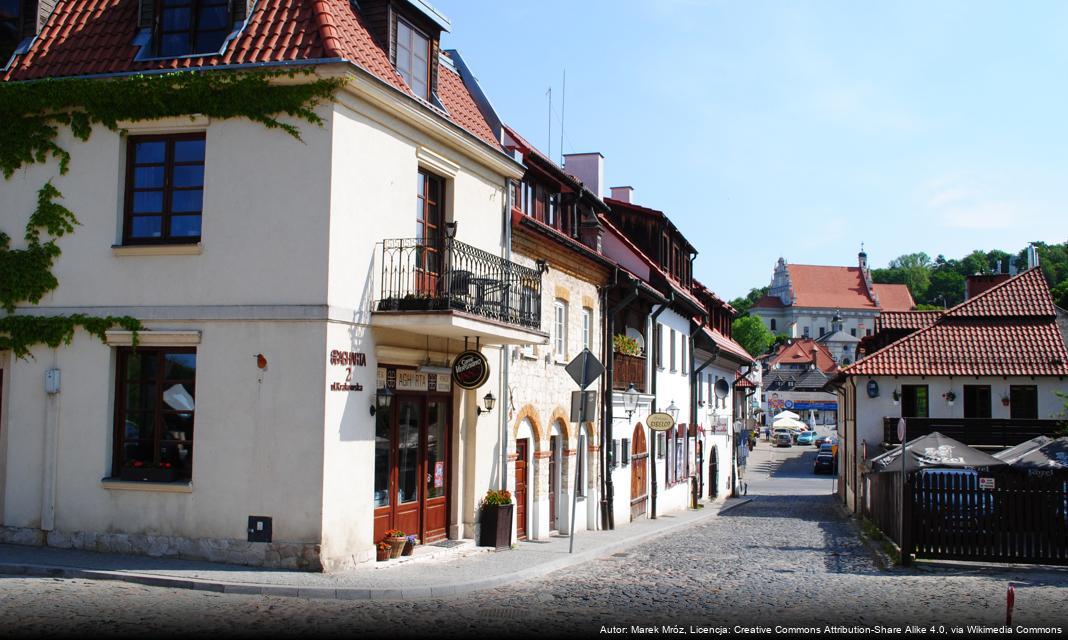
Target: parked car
827, 448
806, 437
783, 440
824, 463
827, 439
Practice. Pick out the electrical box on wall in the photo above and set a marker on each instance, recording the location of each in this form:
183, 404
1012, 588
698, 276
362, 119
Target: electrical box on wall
259, 529
52, 381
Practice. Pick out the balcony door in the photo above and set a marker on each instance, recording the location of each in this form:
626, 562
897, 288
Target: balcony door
429, 232
976, 401
914, 401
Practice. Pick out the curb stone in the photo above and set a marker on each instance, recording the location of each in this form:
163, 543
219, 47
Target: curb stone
885, 562
360, 593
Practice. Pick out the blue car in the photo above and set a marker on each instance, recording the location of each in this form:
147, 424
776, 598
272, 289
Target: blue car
806, 437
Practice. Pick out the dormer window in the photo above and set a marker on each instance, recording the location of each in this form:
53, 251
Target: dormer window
192, 27
413, 58
10, 28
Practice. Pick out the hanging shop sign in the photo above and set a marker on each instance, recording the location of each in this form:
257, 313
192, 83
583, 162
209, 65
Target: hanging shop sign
348, 360
470, 370
660, 421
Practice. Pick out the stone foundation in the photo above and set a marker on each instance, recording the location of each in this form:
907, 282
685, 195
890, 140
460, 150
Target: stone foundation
283, 555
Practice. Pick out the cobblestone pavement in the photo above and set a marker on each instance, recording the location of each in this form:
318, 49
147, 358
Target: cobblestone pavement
778, 560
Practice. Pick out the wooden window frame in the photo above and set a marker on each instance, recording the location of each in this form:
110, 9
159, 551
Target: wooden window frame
121, 411
193, 31
973, 399
560, 329
1032, 391
411, 50
165, 214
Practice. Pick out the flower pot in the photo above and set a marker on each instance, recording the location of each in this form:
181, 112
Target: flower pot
496, 529
397, 545
383, 554
146, 474
408, 548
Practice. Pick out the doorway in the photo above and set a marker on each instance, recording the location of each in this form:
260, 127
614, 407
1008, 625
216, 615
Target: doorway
554, 480
521, 466
639, 460
412, 445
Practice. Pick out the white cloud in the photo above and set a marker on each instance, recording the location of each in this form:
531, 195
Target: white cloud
957, 203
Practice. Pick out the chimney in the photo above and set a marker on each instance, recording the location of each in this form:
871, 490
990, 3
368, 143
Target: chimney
1032, 256
622, 193
980, 282
589, 168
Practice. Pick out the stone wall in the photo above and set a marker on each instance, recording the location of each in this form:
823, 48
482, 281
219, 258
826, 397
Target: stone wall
281, 555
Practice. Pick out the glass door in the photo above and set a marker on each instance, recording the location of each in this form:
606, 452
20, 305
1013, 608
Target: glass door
436, 467
407, 487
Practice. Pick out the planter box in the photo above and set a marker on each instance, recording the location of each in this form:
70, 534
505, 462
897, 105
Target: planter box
496, 530
147, 474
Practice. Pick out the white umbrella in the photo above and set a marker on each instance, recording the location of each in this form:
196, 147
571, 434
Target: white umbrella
789, 423
786, 414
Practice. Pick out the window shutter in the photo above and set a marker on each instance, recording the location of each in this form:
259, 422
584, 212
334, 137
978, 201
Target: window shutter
146, 18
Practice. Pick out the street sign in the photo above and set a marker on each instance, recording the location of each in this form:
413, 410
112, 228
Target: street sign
660, 421
584, 369
901, 430
986, 483
583, 406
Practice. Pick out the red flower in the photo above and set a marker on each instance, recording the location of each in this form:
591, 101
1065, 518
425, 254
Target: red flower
166, 465
138, 463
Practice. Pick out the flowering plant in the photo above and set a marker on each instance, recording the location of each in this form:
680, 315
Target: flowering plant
142, 464
383, 546
412, 539
625, 345
495, 498
395, 533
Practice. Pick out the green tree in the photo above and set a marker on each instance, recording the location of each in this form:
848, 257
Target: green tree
1060, 295
750, 332
743, 303
946, 289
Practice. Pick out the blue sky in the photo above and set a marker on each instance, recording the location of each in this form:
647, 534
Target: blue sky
798, 129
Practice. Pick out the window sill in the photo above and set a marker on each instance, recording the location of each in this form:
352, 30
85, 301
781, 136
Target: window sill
157, 487
157, 250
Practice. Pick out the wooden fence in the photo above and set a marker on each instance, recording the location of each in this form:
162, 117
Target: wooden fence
960, 516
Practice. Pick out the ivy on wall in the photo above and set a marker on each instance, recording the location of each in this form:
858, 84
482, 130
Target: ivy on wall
32, 114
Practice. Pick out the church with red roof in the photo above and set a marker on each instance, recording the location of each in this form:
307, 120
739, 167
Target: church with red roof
803, 300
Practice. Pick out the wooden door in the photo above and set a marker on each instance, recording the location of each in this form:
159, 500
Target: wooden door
436, 470
429, 232
553, 444
521, 447
639, 459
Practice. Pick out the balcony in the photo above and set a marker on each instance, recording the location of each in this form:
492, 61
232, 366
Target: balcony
627, 369
975, 432
444, 290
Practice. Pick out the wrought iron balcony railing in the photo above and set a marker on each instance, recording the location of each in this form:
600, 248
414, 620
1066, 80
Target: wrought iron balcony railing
989, 432
416, 276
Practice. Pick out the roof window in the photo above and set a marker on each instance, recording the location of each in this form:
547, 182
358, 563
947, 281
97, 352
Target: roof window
192, 27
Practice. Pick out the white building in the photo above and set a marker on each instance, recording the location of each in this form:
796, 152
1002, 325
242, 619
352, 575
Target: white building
282, 285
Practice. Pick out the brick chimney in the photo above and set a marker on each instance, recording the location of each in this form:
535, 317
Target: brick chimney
980, 282
589, 168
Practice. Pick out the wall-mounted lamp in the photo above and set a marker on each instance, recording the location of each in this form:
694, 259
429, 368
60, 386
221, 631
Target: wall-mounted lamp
383, 399
450, 229
674, 411
542, 264
630, 400
489, 400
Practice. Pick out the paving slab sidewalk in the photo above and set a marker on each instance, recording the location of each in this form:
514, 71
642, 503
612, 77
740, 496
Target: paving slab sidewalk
439, 577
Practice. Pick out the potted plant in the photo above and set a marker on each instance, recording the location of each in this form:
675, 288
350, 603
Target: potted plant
496, 529
397, 539
625, 345
950, 397
409, 546
383, 550
147, 471
896, 396
1004, 401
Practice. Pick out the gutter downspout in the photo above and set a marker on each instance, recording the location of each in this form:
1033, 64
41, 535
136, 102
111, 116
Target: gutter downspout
652, 389
608, 519
506, 349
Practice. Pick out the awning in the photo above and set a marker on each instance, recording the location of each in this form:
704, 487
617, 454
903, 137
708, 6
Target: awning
1052, 456
935, 451
1012, 454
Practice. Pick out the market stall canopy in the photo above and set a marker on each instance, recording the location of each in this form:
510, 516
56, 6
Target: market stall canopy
789, 423
1012, 454
1052, 456
786, 414
935, 451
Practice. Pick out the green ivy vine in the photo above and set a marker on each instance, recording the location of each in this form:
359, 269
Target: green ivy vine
32, 114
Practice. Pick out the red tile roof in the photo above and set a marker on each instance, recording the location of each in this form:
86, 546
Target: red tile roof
894, 297
728, 345
1010, 329
744, 383
838, 288
90, 37
905, 320
770, 302
800, 352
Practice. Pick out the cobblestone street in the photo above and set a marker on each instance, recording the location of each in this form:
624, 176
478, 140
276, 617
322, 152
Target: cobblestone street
778, 560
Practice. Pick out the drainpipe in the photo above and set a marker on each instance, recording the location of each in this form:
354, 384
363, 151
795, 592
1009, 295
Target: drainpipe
608, 518
652, 390
506, 349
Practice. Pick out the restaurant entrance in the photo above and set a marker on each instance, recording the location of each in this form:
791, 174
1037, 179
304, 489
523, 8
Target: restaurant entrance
412, 444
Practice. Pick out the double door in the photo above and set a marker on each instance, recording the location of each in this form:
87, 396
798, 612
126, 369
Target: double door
412, 465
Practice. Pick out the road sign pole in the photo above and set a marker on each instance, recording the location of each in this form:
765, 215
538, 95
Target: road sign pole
578, 479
